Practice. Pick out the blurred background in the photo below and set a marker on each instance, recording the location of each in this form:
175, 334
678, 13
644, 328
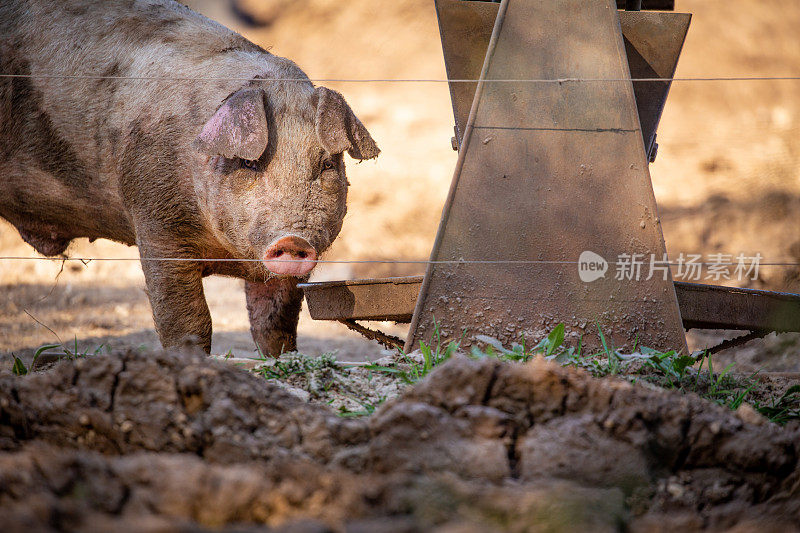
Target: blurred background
727, 176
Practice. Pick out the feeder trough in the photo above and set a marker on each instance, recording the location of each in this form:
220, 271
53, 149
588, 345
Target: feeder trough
554, 144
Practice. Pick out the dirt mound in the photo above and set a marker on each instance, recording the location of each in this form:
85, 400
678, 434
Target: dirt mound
173, 441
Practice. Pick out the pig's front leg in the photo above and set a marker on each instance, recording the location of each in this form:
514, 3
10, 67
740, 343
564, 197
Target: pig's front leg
274, 309
175, 289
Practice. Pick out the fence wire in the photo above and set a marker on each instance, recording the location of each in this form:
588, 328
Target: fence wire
397, 80
643, 261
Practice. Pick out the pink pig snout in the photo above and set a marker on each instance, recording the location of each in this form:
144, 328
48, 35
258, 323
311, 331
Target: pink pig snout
290, 256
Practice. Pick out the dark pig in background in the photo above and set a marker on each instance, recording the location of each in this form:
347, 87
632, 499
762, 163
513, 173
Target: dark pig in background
237, 165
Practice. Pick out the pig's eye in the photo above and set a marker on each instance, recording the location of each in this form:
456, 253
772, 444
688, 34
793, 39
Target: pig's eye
328, 165
251, 164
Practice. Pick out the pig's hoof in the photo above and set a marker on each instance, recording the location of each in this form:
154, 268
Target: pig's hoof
276, 342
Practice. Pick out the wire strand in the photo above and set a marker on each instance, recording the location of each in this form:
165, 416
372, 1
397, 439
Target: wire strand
641, 262
395, 80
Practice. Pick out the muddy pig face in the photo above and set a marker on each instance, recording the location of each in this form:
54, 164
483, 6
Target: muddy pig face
274, 185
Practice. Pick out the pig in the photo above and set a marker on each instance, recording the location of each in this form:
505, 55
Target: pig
165, 130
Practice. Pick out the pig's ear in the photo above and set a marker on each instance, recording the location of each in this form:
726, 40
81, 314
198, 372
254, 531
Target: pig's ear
238, 128
338, 129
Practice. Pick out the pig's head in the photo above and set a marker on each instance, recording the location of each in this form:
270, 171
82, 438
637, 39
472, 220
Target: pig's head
274, 186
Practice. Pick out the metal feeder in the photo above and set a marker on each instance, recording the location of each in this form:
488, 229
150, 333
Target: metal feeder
554, 144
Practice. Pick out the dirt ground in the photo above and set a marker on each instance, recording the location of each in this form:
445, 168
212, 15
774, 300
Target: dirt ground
177, 442
727, 177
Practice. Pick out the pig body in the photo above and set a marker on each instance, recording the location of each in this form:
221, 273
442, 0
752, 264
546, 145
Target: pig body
133, 149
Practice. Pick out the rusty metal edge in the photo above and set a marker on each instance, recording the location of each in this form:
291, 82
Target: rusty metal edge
651, 5
498, 24
690, 297
670, 299
697, 301
456, 145
649, 142
322, 285
387, 299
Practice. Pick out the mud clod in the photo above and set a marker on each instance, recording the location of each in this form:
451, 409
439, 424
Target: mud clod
174, 441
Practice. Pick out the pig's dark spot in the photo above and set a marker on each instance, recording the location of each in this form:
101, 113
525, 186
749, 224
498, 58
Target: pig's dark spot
114, 135
145, 27
107, 81
79, 10
151, 182
229, 49
239, 42
106, 89
305, 113
236, 43
28, 136
193, 106
169, 22
238, 48
163, 15
27, 129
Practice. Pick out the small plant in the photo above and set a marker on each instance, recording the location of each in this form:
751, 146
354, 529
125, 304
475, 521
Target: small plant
551, 344
736, 400
670, 364
19, 368
75, 353
296, 364
551, 347
783, 409
669, 369
368, 407
715, 380
606, 362
432, 356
